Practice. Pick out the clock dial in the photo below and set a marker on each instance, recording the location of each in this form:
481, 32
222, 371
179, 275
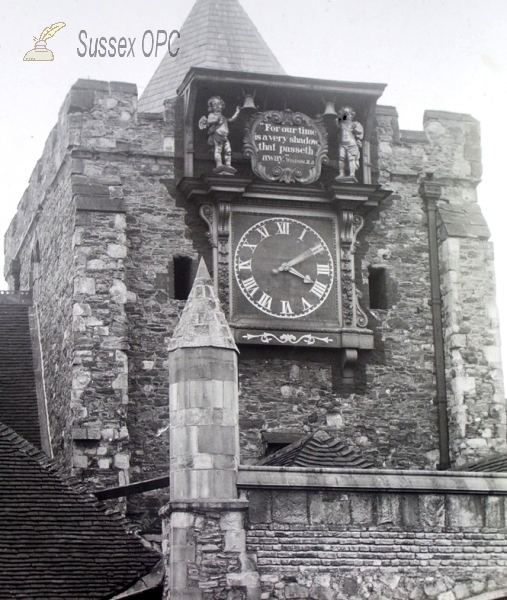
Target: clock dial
283, 267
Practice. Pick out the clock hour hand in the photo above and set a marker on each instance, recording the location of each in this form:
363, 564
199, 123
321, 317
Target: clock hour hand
305, 278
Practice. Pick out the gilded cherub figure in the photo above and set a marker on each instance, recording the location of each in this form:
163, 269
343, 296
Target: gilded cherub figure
350, 136
218, 134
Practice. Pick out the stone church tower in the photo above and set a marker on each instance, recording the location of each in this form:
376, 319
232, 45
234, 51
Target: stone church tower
318, 302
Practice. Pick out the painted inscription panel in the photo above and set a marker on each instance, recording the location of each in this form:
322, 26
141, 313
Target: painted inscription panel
286, 146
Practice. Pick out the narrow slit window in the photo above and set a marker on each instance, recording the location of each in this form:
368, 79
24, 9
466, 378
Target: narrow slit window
183, 276
378, 285
274, 441
271, 448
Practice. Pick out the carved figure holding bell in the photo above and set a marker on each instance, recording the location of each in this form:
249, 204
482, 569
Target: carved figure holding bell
350, 136
218, 134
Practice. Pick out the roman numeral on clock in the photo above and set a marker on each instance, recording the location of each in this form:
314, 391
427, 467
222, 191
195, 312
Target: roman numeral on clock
245, 264
323, 269
251, 246
306, 305
283, 227
263, 231
318, 289
265, 301
250, 285
286, 309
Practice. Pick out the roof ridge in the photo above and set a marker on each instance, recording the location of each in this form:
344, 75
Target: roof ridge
486, 464
317, 449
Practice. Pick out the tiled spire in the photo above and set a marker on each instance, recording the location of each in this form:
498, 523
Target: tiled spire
217, 34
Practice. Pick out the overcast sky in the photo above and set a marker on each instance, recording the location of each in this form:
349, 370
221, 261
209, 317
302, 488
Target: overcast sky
433, 54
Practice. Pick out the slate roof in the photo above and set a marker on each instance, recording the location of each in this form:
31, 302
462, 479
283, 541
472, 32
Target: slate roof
217, 34
18, 398
57, 542
492, 464
318, 449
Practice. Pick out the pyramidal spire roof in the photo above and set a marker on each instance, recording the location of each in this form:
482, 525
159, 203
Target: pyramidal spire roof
217, 34
202, 323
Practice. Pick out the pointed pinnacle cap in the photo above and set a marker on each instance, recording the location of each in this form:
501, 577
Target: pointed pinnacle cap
217, 34
202, 323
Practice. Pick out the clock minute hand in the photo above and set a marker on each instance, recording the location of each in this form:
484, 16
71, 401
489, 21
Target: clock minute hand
304, 255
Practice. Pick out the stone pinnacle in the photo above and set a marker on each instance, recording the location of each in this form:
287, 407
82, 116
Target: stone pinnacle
202, 322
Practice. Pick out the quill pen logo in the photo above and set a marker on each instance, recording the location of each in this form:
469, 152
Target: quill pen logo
40, 51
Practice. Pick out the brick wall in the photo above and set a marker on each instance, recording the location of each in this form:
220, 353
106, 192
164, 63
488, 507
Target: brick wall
335, 544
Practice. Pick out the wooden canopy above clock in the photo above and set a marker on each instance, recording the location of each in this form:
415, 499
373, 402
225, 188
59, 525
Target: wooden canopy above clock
302, 107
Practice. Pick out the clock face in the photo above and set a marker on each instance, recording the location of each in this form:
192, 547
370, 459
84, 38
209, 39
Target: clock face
284, 267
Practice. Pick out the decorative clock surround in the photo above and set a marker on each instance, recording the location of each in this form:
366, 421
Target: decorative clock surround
282, 229
283, 262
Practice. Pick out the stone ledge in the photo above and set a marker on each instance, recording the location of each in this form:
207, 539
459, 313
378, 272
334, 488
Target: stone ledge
20, 298
149, 116
105, 86
493, 595
447, 115
374, 480
92, 152
100, 204
124, 87
86, 433
413, 137
203, 506
382, 109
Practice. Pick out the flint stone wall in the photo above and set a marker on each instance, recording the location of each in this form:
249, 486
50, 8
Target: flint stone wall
134, 233
103, 154
107, 231
398, 376
388, 414
206, 542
